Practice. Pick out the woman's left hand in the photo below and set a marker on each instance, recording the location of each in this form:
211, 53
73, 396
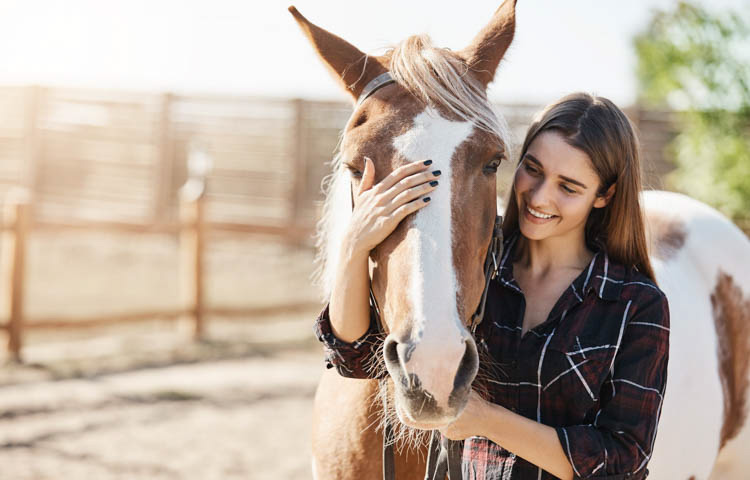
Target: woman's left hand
471, 420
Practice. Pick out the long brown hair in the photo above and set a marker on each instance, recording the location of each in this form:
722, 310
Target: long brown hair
597, 127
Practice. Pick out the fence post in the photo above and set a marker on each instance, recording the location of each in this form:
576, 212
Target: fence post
16, 211
192, 245
193, 238
299, 167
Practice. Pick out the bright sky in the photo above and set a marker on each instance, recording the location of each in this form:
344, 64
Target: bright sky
254, 46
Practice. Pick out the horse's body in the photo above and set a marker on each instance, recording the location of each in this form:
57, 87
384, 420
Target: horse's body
702, 263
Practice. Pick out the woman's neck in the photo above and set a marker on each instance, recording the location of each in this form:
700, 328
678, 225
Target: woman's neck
539, 257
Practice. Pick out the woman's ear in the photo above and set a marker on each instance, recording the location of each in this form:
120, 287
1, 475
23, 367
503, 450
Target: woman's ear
603, 200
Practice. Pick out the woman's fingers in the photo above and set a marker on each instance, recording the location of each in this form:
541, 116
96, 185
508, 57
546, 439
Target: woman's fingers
404, 170
401, 212
378, 211
414, 192
407, 183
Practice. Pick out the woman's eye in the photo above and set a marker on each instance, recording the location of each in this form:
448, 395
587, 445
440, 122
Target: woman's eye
530, 168
567, 189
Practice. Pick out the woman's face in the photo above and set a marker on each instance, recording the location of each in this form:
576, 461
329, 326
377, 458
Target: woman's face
556, 188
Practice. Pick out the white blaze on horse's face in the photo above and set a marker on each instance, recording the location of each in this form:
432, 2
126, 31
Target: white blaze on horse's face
429, 351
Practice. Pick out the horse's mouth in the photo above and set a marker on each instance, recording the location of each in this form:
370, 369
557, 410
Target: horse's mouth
425, 417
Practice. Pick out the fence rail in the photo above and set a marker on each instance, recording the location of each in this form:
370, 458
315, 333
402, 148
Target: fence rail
193, 230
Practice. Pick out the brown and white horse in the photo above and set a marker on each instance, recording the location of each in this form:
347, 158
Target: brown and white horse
428, 275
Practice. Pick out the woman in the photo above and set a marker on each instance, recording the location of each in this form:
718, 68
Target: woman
575, 289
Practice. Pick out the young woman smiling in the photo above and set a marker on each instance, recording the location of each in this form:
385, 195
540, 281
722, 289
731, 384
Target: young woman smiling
574, 323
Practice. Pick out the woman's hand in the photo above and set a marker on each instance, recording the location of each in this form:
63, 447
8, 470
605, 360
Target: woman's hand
379, 209
471, 420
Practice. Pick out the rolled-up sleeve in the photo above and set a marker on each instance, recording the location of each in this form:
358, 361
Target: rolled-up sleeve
619, 442
357, 359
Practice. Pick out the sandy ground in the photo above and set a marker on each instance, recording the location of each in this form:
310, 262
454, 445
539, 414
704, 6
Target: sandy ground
246, 417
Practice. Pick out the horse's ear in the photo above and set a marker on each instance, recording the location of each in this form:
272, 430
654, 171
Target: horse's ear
484, 53
352, 68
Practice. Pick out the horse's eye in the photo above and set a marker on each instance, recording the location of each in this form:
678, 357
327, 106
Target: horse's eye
493, 165
353, 170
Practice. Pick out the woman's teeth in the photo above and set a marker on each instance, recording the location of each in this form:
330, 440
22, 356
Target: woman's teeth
538, 214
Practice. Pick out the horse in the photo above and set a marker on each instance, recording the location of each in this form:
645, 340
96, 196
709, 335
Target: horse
435, 107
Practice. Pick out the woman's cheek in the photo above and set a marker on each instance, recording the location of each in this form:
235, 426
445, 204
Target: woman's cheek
574, 207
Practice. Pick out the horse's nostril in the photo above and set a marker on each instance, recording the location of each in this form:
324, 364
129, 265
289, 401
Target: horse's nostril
397, 355
468, 367
390, 351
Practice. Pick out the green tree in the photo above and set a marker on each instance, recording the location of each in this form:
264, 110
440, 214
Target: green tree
698, 63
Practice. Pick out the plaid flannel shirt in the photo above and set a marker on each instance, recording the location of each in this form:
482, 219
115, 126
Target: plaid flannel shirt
595, 370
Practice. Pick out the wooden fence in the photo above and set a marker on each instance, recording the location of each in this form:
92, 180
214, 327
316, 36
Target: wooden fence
108, 161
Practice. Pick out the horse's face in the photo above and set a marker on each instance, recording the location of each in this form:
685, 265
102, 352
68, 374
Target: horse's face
428, 274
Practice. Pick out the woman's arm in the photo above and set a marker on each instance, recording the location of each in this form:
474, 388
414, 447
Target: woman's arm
530, 440
349, 304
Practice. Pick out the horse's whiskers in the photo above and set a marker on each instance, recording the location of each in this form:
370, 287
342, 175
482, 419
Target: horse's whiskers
404, 437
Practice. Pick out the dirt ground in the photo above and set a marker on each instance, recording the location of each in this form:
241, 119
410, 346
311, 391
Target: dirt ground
191, 416
144, 401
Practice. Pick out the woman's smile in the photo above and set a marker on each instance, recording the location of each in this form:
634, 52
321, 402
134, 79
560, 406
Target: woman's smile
538, 216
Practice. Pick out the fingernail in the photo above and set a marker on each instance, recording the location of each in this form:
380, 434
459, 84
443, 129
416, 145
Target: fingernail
428, 162
437, 173
433, 183
426, 199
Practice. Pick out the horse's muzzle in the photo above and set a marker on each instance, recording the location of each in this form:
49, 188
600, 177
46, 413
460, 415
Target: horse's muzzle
435, 388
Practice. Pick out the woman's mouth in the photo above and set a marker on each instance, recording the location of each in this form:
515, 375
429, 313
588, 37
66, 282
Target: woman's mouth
536, 216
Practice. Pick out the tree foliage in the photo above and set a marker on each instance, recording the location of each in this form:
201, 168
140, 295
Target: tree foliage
698, 63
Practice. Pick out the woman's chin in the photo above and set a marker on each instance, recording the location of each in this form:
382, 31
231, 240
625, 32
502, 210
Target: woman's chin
534, 232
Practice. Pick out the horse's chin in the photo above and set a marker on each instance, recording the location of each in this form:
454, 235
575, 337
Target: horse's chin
422, 422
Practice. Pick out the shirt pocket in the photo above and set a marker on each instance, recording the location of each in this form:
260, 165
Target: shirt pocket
574, 372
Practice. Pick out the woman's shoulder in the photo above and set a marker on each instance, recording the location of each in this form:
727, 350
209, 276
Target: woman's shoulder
645, 297
637, 284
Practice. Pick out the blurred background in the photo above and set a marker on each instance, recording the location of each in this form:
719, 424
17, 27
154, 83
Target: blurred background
160, 172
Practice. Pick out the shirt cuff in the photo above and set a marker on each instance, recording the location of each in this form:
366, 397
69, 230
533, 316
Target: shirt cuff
584, 449
357, 359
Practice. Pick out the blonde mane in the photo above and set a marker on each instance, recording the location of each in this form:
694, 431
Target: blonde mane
439, 78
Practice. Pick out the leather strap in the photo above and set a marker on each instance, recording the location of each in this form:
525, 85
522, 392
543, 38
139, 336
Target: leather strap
389, 465
375, 84
443, 457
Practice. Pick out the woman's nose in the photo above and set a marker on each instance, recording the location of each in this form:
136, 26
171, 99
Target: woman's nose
539, 194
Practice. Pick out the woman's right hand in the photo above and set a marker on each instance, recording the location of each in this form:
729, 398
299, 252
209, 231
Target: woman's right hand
379, 209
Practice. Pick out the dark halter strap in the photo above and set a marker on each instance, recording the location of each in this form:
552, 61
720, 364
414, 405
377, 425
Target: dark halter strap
444, 455
375, 84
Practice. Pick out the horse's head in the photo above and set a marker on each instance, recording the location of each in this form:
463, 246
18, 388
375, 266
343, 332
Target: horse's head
428, 275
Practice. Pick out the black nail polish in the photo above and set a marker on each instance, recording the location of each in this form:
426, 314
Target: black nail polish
426, 199
433, 183
428, 162
437, 173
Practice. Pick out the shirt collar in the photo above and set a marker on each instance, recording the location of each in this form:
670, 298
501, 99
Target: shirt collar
602, 275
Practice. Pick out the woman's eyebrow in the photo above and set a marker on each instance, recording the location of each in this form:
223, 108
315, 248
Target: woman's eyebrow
534, 160
574, 182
